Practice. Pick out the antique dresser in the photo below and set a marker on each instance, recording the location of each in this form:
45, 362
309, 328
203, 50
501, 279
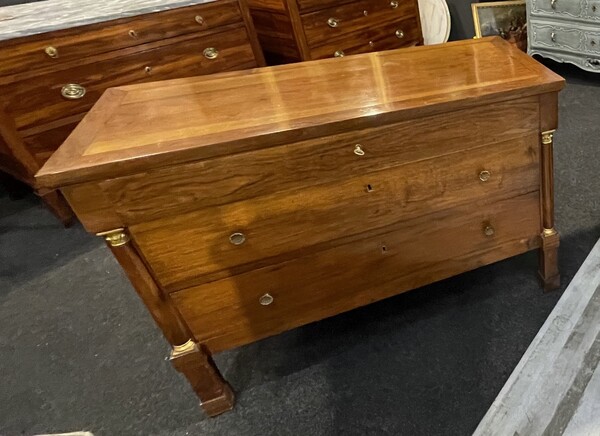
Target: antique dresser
57, 57
566, 31
248, 203
300, 30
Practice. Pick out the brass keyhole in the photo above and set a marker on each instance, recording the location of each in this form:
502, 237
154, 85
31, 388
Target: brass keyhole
133, 34
370, 188
265, 300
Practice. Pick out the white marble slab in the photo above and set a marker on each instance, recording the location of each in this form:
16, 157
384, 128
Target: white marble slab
555, 388
49, 15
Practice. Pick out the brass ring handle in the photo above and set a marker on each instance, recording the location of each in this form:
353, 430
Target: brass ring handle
133, 34
393, 4
72, 91
51, 51
489, 231
553, 37
211, 53
485, 175
399, 34
358, 150
199, 19
265, 300
148, 69
333, 22
339, 54
553, 4
237, 238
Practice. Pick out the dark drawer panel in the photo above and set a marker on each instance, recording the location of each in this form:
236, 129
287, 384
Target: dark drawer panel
39, 100
28, 54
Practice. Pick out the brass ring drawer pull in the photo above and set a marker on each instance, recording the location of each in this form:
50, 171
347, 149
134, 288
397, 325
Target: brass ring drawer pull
333, 22
489, 231
51, 51
237, 238
199, 19
133, 34
393, 4
485, 175
265, 300
399, 34
148, 69
339, 54
211, 53
72, 91
358, 150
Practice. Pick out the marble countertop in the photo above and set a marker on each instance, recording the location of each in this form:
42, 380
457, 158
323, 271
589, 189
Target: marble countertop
49, 15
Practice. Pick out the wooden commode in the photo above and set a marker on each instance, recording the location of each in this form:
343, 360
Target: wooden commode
245, 204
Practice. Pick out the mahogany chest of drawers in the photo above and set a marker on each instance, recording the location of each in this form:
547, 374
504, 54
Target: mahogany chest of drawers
49, 80
300, 30
245, 204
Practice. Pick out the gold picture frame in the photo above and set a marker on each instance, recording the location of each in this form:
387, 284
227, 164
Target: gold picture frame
505, 18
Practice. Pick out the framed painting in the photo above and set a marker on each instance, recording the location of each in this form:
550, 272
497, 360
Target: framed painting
506, 18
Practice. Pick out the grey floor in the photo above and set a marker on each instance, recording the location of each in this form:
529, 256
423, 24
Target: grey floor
78, 351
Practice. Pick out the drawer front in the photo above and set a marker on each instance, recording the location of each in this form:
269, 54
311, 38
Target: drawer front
334, 23
313, 5
54, 51
40, 99
225, 240
405, 33
242, 309
42, 144
592, 11
291, 167
557, 37
556, 8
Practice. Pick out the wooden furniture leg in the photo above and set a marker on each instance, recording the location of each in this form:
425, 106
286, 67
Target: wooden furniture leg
59, 207
188, 357
550, 239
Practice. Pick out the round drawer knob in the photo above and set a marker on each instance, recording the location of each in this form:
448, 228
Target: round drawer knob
211, 53
51, 51
489, 231
237, 238
199, 19
339, 54
358, 150
393, 4
72, 91
133, 34
485, 175
333, 22
399, 34
265, 300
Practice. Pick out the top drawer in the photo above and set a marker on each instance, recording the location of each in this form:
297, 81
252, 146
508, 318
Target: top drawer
313, 5
556, 8
52, 51
322, 26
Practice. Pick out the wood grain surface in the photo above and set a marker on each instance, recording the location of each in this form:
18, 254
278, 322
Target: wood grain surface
227, 313
181, 123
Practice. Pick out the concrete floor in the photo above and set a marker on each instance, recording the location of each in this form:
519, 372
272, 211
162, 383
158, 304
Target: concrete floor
79, 351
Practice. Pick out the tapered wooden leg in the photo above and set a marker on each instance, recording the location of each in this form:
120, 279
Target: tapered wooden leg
549, 260
59, 207
188, 357
198, 367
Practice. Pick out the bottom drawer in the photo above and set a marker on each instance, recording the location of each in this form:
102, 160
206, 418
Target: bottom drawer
244, 308
402, 34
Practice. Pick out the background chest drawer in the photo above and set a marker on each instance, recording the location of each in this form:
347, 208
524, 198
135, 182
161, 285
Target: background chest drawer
229, 239
334, 23
264, 302
41, 99
559, 37
556, 8
62, 48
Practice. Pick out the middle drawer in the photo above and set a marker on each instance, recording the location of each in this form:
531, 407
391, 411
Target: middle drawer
216, 242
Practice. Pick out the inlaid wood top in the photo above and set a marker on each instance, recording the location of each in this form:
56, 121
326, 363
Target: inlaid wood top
50, 15
133, 128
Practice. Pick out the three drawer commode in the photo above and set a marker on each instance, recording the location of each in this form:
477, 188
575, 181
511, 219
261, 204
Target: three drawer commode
245, 204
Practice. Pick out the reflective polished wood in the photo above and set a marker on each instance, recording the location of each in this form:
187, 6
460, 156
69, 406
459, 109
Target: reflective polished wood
245, 204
